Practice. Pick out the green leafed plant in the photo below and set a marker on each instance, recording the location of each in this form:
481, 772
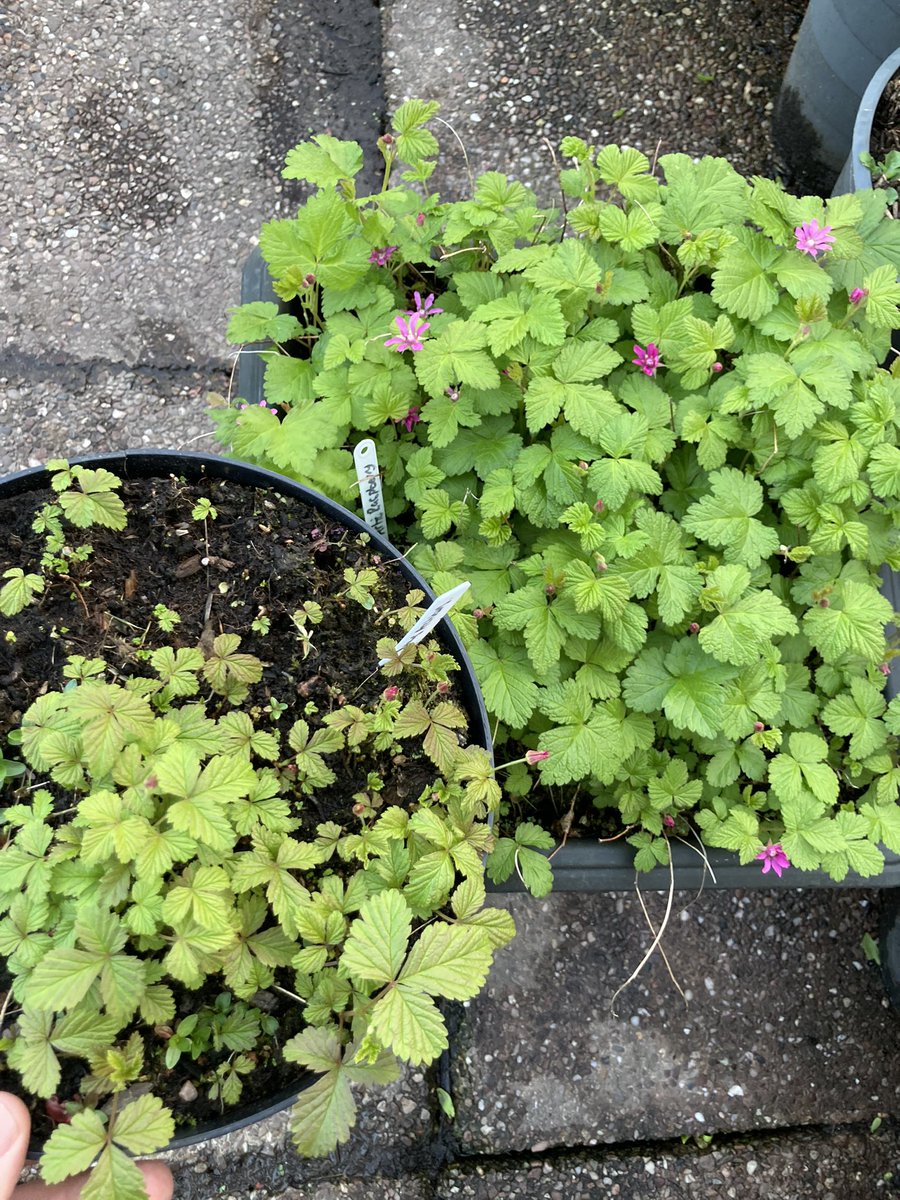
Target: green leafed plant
653, 432
174, 911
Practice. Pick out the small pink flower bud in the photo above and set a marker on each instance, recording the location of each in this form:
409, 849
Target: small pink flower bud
824, 602
884, 668
582, 466
858, 295
443, 687
668, 821
598, 506
550, 589
602, 564
758, 727
151, 782
693, 627
359, 810
478, 613
420, 220
387, 139
390, 693
309, 280
533, 757
717, 367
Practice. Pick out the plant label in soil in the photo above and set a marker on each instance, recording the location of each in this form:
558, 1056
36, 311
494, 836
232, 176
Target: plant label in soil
431, 616
368, 476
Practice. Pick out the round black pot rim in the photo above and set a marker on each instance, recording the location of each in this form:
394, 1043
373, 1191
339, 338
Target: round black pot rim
150, 463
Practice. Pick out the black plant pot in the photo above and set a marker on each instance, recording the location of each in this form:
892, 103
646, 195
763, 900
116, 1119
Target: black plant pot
839, 48
147, 464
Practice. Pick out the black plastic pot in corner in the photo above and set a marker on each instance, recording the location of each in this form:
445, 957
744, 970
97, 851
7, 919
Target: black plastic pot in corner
256, 284
147, 464
841, 44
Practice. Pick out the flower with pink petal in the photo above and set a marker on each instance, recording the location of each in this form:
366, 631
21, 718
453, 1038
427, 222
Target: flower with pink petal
410, 335
424, 308
648, 360
858, 295
381, 256
533, 757
812, 238
412, 418
773, 858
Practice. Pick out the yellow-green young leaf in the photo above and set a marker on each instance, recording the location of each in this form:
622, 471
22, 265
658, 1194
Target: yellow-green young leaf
36, 1063
448, 960
83, 1031
323, 1115
115, 1177
496, 923
62, 978
408, 1023
468, 898
318, 1049
741, 632
378, 938
144, 1126
19, 591
72, 1148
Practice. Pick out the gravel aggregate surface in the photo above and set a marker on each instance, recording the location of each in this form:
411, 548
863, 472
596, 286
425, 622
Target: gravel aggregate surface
588, 1067
697, 77
836, 1165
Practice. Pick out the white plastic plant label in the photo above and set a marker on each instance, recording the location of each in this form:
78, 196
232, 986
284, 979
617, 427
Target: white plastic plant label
431, 616
368, 476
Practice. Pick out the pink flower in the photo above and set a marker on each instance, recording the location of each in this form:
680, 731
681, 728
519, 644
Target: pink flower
411, 418
533, 757
380, 257
647, 360
774, 859
420, 219
858, 295
424, 307
717, 367
811, 238
411, 331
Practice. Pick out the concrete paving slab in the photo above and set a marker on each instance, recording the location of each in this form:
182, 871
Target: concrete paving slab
832, 1165
785, 1023
396, 1137
693, 77
140, 146
50, 411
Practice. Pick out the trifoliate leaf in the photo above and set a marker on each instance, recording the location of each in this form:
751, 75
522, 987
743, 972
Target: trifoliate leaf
507, 680
72, 1148
852, 623
857, 716
727, 518
742, 630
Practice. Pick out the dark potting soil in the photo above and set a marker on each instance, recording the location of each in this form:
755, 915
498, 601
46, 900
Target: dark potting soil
263, 555
886, 122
